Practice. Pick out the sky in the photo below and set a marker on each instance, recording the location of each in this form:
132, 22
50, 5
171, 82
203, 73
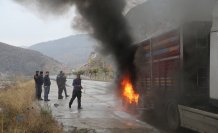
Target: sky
20, 26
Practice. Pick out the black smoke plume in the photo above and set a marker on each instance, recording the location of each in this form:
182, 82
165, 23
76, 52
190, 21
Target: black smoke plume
109, 26
107, 21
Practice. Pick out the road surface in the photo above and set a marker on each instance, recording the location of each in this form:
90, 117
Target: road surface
101, 111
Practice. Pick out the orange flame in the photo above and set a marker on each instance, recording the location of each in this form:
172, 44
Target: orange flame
128, 91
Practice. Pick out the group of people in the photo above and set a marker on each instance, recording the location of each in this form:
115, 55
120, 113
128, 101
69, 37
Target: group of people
61, 79
39, 82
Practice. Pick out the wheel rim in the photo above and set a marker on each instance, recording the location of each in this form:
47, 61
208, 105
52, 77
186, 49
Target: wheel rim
141, 105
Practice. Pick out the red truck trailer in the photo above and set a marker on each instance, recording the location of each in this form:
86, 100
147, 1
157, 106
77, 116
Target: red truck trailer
175, 72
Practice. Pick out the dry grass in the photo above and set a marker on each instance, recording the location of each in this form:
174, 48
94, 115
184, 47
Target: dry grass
20, 115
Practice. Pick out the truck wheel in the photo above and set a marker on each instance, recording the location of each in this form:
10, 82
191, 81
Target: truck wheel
126, 105
172, 114
141, 105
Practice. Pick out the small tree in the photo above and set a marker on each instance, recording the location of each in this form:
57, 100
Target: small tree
95, 71
105, 71
90, 73
74, 72
81, 72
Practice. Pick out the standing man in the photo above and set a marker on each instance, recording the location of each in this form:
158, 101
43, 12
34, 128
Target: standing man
76, 91
47, 84
36, 76
65, 80
40, 83
60, 83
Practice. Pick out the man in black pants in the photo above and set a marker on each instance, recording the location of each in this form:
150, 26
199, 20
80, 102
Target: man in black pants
76, 91
36, 79
47, 84
61, 84
40, 83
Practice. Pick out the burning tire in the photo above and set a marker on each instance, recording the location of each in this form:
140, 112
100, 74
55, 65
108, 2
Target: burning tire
125, 104
172, 116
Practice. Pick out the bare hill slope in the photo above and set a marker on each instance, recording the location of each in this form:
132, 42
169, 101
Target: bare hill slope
23, 61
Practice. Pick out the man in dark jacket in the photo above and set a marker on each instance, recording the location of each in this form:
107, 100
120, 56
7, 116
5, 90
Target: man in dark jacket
61, 83
36, 76
40, 83
47, 84
76, 91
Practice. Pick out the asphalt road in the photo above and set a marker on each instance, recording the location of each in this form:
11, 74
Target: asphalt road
102, 111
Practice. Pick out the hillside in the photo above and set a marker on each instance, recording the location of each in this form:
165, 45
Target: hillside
23, 61
73, 50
